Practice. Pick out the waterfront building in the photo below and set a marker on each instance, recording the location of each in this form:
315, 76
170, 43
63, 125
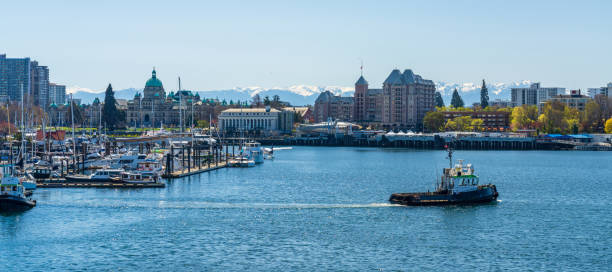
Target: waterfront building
492, 120
406, 99
534, 95
573, 100
400, 104
333, 106
265, 121
368, 103
57, 93
153, 108
14, 75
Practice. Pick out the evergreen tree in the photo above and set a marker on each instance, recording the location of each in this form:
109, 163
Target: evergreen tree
439, 100
111, 116
456, 101
484, 95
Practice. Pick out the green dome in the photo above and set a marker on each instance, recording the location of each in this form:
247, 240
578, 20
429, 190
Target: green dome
153, 81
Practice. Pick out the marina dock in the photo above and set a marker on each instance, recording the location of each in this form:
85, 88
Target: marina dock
194, 171
99, 185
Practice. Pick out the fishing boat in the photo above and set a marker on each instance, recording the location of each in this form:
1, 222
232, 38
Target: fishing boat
12, 193
458, 185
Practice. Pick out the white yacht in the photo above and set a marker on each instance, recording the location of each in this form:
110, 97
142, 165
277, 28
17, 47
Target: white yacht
128, 161
101, 175
148, 171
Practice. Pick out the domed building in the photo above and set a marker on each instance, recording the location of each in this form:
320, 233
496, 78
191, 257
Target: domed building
153, 108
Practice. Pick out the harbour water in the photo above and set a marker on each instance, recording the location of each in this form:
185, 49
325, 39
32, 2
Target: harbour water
324, 208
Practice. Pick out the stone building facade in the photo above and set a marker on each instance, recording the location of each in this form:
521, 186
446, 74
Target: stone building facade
402, 102
154, 108
266, 121
332, 106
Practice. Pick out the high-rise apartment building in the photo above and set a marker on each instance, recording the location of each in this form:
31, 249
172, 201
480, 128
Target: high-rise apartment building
15, 75
39, 93
606, 91
57, 94
534, 95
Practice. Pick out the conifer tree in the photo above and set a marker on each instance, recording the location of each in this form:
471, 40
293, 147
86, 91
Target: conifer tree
456, 101
438, 99
111, 116
484, 95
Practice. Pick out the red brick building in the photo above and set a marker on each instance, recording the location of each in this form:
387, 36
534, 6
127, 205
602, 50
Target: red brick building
492, 120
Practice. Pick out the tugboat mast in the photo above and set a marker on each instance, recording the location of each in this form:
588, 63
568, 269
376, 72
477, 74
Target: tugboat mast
450, 156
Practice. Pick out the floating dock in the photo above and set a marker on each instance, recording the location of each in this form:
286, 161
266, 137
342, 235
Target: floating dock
194, 171
98, 185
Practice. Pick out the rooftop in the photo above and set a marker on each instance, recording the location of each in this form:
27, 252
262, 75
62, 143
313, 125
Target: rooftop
250, 110
153, 81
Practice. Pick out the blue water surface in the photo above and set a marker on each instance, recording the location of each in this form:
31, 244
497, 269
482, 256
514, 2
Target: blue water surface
325, 208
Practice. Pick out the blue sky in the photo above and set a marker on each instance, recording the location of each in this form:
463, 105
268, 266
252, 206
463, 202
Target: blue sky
225, 44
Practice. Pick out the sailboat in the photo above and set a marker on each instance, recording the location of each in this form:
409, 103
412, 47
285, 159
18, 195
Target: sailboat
26, 181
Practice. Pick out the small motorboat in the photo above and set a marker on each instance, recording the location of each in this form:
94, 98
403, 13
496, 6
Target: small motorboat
241, 161
41, 172
140, 177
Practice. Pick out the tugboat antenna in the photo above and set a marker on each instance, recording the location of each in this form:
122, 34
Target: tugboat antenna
450, 156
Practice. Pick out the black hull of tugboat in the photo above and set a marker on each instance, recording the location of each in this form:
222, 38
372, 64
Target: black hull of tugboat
12, 204
485, 194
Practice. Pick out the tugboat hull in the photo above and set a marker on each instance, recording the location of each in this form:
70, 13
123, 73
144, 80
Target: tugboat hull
483, 194
15, 204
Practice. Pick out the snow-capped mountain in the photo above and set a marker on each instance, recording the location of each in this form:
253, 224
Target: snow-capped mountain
307, 94
470, 92
296, 95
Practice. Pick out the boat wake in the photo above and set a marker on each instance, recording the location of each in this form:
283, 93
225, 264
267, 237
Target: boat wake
219, 205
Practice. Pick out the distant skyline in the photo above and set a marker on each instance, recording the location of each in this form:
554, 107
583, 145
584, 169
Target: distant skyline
220, 45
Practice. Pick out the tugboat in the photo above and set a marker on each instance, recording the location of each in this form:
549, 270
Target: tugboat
12, 193
458, 185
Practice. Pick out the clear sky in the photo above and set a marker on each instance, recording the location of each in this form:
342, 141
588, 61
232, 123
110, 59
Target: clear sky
225, 44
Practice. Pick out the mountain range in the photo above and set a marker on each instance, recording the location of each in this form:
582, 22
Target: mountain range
306, 95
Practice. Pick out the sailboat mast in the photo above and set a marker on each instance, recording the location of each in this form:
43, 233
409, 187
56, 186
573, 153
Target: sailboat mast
72, 119
180, 105
22, 127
